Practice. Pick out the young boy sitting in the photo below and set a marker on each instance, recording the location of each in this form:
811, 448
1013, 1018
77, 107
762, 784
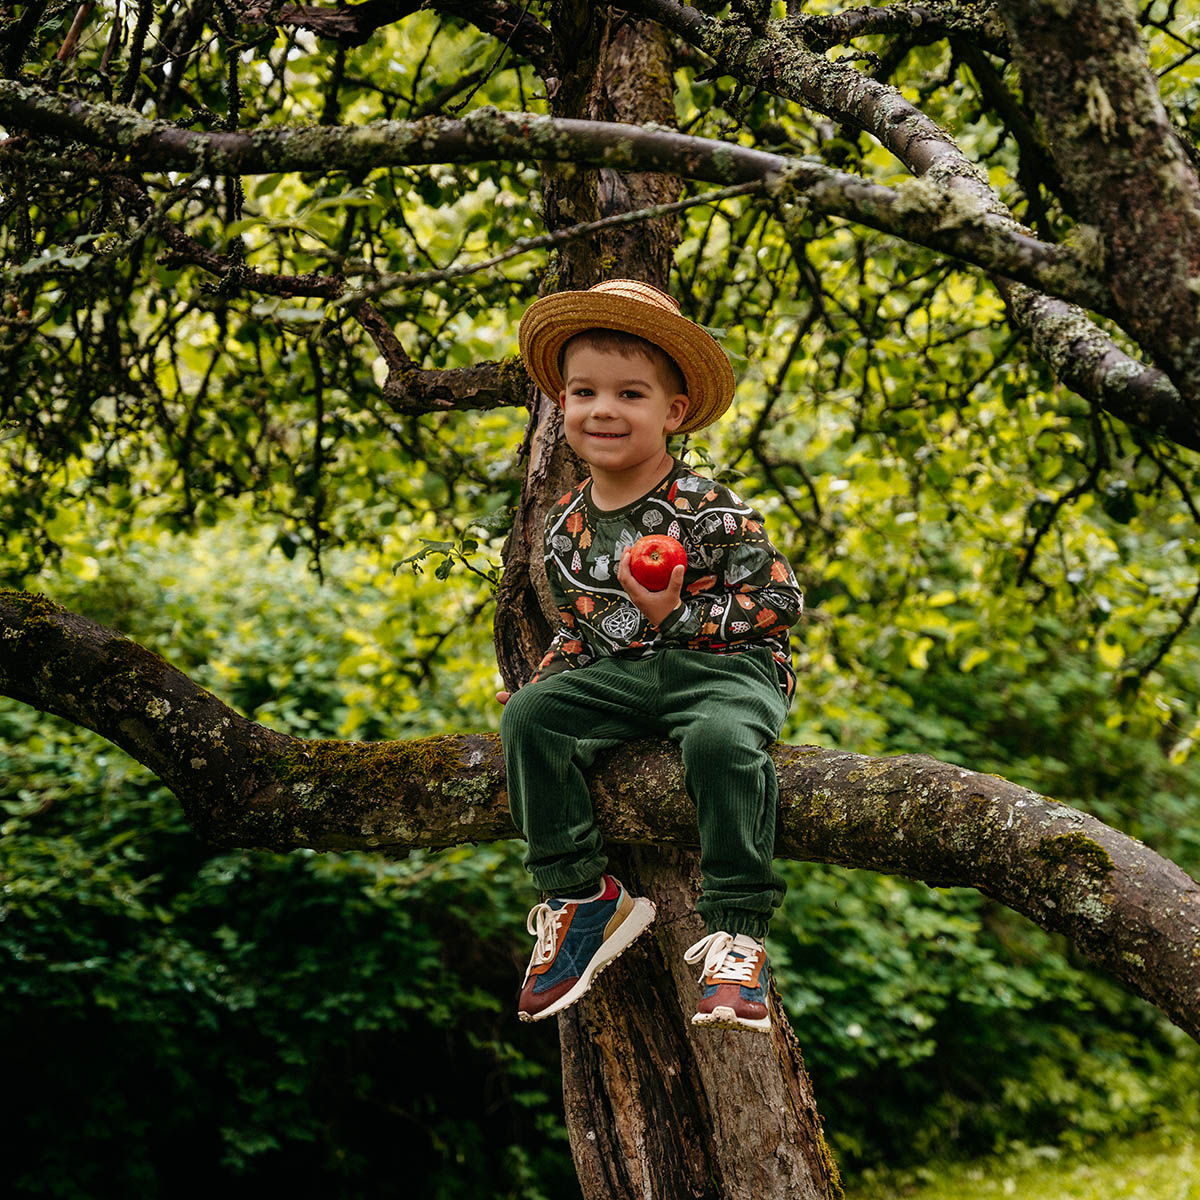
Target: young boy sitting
705, 661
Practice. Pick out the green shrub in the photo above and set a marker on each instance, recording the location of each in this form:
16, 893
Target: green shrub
179, 1020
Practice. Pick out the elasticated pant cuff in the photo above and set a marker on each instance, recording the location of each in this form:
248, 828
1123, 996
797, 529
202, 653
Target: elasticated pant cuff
735, 923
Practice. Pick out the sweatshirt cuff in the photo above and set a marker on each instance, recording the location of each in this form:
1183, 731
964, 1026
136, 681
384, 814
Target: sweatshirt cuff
673, 618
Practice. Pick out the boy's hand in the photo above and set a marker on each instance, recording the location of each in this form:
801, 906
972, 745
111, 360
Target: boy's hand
503, 697
654, 606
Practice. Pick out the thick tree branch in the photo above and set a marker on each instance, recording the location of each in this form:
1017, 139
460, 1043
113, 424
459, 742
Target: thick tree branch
950, 209
779, 65
1132, 911
922, 213
1085, 71
922, 23
1087, 361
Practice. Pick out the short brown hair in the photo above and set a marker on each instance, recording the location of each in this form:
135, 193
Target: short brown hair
627, 345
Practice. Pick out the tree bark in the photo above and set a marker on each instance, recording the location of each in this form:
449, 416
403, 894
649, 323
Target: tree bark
659, 1109
1085, 72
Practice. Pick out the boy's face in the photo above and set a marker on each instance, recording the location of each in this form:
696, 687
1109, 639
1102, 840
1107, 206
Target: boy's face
617, 411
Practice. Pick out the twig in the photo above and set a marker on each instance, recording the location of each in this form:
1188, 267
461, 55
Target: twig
386, 283
71, 41
491, 68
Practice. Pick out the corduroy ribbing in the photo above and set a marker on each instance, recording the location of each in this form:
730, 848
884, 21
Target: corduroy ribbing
724, 711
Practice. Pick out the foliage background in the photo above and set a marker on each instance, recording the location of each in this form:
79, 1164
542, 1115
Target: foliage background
343, 1018
996, 576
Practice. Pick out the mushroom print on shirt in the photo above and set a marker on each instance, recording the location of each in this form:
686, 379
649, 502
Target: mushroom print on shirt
738, 592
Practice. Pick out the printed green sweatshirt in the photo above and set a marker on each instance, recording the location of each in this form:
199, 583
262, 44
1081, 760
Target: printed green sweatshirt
738, 592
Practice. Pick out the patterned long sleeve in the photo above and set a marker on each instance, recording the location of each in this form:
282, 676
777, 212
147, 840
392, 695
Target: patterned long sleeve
566, 650
738, 587
738, 591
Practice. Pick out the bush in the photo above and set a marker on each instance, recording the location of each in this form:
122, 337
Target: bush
178, 1020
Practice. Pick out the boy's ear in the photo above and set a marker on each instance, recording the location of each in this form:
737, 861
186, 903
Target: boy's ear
562, 400
676, 411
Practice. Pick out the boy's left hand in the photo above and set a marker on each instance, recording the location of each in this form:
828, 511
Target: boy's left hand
654, 606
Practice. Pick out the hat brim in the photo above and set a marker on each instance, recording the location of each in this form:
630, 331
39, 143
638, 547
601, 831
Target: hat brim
549, 323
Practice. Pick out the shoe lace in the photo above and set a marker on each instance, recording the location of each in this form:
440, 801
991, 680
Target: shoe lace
727, 959
542, 922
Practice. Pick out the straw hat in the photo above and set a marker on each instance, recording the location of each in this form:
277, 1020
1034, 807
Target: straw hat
632, 307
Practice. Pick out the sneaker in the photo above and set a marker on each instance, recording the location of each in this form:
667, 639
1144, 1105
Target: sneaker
576, 940
734, 980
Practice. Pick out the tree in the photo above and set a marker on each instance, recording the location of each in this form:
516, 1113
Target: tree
108, 375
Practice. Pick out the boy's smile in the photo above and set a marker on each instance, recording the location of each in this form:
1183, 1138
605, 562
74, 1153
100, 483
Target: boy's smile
617, 413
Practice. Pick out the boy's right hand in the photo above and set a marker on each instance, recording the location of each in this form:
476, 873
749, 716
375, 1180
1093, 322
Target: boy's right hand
503, 697
654, 606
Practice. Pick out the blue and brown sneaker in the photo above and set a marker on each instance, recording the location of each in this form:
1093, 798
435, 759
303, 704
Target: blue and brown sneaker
576, 939
734, 982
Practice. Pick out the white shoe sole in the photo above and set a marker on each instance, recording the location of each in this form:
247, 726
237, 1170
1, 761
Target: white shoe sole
638, 921
722, 1017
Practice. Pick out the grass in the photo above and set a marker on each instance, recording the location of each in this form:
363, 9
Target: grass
1164, 1165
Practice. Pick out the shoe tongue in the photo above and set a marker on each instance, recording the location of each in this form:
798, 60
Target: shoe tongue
745, 945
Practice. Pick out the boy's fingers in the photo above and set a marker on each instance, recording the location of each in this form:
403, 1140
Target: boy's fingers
503, 697
674, 588
625, 575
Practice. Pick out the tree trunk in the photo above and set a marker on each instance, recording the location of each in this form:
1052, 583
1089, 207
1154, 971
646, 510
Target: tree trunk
654, 1108
658, 1108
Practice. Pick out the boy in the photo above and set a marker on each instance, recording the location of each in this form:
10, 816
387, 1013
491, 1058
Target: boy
705, 661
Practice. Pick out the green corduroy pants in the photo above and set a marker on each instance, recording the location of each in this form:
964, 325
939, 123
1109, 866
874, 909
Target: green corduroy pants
724, 711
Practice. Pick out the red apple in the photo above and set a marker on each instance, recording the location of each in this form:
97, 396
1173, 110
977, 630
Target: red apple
653, 558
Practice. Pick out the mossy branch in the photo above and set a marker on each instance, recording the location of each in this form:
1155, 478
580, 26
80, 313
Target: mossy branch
948, 208
1132, 911
950, 222
1086, 73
